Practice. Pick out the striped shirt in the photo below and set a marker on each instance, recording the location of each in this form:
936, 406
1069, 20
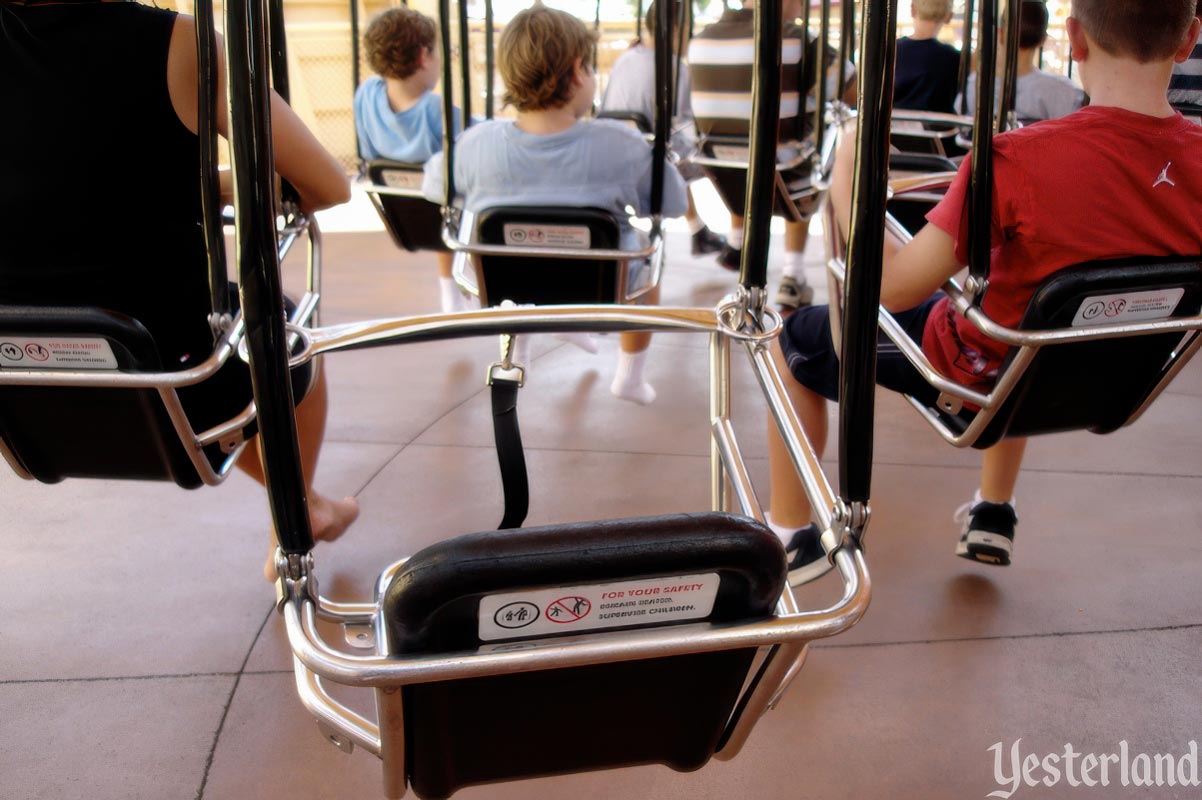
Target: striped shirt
721, 62
1186, 83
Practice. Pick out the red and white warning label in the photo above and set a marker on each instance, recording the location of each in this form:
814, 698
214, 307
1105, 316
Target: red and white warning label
523, 235
23, 352
573, 609
1114, 309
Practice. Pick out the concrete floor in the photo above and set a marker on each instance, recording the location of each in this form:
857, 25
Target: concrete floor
139, 657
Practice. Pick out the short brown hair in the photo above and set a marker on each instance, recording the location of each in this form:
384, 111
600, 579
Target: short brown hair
537, 57
395, 41
932, 10
1146, 30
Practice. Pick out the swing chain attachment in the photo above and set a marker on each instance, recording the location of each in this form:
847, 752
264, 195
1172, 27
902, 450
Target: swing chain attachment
220, 324
750, 304
295, 578
851, 520
975, 287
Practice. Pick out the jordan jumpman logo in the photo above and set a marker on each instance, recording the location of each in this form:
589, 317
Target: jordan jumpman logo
1164, 176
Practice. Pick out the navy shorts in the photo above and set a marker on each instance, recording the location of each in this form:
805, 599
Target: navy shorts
810, 353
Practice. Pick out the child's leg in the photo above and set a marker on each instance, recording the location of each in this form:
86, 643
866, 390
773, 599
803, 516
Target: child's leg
788, 505
628, 382
450, 298
999, 470
329, 518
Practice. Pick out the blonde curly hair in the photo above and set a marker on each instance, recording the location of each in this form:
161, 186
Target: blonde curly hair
537, 57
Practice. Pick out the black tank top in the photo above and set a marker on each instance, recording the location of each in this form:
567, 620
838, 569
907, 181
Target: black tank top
99, 194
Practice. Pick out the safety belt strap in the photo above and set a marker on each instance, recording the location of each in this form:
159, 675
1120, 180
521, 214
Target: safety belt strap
510, 456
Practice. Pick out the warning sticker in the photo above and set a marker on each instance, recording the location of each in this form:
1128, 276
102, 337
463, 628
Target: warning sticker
523, 235
1113, 309
573, 609
402, 179
23, 352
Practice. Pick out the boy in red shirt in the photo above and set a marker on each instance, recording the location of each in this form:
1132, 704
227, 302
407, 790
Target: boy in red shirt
1121, 177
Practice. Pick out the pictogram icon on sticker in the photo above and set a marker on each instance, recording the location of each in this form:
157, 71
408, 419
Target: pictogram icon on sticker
569, 609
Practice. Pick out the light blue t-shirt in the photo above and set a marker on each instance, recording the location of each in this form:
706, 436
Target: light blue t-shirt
411, 136
596, 163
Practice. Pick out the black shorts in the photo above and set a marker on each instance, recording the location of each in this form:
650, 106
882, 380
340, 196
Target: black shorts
224, 395
810, 353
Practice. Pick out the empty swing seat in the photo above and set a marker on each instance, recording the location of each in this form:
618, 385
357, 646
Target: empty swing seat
553, 280
413, 222
575, 580
1100, 384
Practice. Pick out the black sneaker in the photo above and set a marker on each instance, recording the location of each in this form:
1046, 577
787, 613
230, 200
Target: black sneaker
706, 241
807, 558
730, 258
988, 535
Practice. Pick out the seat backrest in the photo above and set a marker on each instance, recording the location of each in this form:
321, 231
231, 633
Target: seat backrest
413, 222
508, 589
911, 211
58, 432
731, 182
554, 280
1097, 385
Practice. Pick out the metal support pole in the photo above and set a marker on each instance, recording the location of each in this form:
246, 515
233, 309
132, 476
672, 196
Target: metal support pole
210, 182
249, 88
761, 172
862, 291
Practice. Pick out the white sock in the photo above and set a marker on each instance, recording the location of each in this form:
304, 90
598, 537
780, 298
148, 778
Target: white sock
582, 340
785, 534
449, 296
735, 238
976, 498
793, 266
628, 379
696, 225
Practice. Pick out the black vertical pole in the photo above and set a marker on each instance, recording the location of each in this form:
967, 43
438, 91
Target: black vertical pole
210, 181
966, 55
490, 62
979, 196
355, 77
278, 47
765, 128
862, 287
663, 100
803, 69
248, 84
1010, 76
847, 28
596, 34
465, 62
448, 105
820, 78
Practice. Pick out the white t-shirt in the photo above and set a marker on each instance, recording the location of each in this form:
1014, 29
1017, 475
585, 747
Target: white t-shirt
1039, 95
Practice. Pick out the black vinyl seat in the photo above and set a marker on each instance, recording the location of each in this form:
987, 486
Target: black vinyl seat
413, 222
674, 710
56, 432
794, 184
552, 280
911, 210
1096, 385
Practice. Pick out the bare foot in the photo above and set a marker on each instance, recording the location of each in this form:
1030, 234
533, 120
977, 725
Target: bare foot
329, 519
